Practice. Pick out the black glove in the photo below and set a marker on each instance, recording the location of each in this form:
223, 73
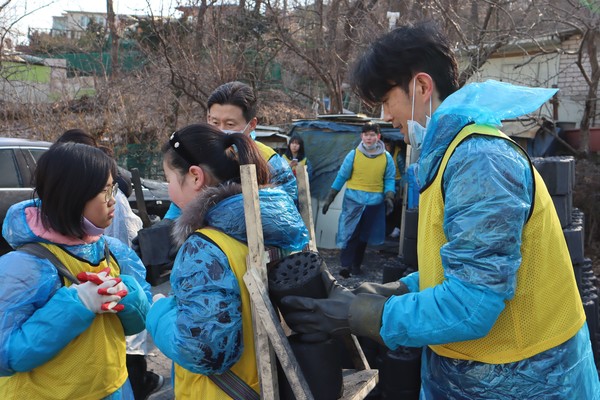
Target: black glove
329, 199
334, 307
341, 314
389, 202
365, 316
319, 315
397, 288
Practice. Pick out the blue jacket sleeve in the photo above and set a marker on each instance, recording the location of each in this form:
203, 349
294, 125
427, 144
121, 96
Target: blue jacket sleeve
133, 274
345, 171
412, 281
39, 317
200, 326
389, 178
488, 194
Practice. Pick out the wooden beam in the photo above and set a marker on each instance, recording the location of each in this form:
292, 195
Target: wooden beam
304, 204
273, 328
265, 357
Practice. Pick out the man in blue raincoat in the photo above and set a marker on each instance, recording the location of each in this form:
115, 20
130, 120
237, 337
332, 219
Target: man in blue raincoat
494, 304
368, 172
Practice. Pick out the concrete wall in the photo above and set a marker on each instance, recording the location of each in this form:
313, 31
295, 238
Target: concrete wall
43, 83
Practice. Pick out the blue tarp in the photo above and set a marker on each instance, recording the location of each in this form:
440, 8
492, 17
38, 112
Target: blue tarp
326, 143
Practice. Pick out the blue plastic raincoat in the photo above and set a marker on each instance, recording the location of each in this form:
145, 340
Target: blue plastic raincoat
31, 290
478, 281
355, 202
205, 291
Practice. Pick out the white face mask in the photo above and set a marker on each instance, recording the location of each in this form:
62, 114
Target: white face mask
416, 131
229, 131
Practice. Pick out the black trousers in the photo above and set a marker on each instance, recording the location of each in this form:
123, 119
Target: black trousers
136, 368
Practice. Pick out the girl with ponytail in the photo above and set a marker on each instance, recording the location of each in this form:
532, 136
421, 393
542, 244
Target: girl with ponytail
205, 325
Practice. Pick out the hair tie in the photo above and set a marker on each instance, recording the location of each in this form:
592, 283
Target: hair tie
177, 145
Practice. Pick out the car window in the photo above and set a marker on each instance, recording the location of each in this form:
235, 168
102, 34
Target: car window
10, 176
37, 153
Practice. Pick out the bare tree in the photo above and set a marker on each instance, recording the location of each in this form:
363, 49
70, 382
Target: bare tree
114, 38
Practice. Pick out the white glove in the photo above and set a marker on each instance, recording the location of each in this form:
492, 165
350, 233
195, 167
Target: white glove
97, 303
119, 289
157, 297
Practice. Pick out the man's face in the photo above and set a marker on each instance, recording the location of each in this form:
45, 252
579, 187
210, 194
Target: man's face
397, 109
369, 138
228, 117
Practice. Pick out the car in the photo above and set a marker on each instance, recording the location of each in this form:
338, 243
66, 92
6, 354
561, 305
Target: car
18, 160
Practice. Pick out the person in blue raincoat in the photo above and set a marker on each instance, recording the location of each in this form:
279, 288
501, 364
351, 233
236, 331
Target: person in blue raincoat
205, 325
369, 172
64, 337
232, 107
495, 303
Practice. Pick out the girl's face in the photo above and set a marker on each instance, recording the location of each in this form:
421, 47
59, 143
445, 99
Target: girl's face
181, 189
294, 147
100, 211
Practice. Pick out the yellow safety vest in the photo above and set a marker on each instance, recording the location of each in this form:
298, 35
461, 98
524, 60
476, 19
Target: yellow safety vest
189, 385
546, 309
301, 162
367, 173
395, 157
265, 151
91, 366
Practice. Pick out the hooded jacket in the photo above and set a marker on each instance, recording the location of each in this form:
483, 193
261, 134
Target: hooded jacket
199, 326
34, 302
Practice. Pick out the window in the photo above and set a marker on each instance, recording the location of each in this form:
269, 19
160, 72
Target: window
10, 175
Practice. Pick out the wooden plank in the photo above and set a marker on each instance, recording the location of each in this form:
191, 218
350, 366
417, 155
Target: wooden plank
139, 197
304, 203
254, 233
265, 356
268, 317
358, 384
356, 353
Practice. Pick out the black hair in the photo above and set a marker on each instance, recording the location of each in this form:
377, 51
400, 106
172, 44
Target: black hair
206, 146
77, 136
66, 178
80, 136
236, 94
371, 126
394, 58
300, 141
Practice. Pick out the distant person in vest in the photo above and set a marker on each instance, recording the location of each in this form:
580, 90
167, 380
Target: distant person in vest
232, 107
368, 172
295, 155
393, 220
63, 323
205, 325
494, 304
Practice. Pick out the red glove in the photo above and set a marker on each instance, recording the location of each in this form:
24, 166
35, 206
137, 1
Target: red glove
97, 278
117, 289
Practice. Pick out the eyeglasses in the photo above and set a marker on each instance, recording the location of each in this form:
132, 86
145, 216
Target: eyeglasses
109, 194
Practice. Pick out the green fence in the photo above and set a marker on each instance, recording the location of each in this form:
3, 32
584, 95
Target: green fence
138, 156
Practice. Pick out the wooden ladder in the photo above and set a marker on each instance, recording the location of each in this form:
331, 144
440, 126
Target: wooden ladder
270, 339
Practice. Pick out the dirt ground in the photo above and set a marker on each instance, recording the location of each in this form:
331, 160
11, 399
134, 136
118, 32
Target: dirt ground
376, 259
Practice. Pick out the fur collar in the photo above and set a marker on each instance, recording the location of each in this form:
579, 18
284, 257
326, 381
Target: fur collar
194, 214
